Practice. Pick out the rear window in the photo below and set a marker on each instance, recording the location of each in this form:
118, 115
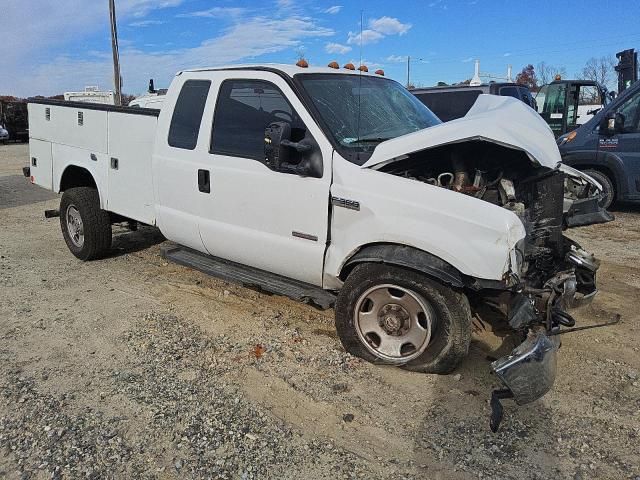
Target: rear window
449, 105
187, 114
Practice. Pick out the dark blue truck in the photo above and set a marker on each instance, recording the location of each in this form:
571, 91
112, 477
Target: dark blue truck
607, 148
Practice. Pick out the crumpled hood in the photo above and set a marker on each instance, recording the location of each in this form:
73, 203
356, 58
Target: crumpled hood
502, 120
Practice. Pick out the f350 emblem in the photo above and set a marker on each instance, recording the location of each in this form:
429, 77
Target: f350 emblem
345, 203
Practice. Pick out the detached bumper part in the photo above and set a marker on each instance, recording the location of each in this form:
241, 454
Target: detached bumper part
528, 373
586, 211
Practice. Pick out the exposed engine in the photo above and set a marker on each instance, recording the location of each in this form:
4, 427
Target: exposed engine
508, 178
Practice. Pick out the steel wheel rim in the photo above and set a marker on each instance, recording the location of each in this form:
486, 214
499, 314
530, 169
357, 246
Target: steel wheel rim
393, 322
75, 228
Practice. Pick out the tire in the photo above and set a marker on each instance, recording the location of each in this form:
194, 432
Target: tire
608, 189
85, 227
443, 312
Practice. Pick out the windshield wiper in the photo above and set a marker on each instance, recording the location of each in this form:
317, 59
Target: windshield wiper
372, 140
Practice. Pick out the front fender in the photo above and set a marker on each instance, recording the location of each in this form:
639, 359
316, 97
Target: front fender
473, 236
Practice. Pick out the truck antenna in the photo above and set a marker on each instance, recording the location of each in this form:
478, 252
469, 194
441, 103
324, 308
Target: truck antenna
359, 78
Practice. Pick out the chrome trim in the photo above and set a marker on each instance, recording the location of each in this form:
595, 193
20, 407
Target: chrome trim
345, 203
305, 236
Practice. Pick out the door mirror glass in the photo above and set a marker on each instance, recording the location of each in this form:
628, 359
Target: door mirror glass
275, 152
612, 124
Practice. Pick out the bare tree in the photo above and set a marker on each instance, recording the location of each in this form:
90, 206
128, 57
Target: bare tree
547, 73
599, 70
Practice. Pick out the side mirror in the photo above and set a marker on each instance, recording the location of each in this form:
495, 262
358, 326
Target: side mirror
612, 123
282, 155
275, 152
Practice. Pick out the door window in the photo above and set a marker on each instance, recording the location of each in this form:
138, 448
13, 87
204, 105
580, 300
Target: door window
631, 111
244, 109
187, 114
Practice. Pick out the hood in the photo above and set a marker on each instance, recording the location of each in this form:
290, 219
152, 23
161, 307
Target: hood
502, 120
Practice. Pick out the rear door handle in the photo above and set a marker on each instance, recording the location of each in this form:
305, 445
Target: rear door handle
204, 181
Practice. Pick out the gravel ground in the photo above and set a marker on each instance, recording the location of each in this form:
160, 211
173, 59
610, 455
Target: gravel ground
130, 367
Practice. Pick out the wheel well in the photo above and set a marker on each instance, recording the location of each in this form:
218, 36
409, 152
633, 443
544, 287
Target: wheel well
602, 169
406, 257
74, 176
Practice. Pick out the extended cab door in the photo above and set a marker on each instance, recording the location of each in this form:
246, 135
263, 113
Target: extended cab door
253, 214
180, 154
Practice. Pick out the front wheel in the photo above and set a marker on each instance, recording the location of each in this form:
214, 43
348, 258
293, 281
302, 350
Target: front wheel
390, 315
608, 190
86, 228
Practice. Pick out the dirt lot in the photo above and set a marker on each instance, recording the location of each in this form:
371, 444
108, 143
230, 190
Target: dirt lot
130, 367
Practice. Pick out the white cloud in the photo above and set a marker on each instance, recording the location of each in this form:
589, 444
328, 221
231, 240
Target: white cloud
467, 60
396, 58
214, 12
140, 8
243, 41
337, 48
378, 29
146, 23
389, 26
333, 10
508, 54
367, 36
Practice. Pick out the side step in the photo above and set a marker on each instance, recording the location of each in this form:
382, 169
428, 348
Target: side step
264, 282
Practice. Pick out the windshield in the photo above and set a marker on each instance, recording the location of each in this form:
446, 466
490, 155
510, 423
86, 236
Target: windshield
360, 111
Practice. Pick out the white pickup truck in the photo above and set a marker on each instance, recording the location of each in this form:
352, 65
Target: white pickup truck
339, 184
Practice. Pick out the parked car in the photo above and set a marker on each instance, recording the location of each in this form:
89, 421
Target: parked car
451, 102
4, 134
607, 148
13, 118
338, 187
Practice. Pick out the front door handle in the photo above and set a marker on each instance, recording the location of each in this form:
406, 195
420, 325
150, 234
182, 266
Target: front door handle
204, 181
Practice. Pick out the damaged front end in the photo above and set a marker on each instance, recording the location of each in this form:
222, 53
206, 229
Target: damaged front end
549, 273
555, 275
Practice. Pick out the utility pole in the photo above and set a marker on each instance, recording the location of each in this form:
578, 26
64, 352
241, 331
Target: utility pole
408, 69
117, 79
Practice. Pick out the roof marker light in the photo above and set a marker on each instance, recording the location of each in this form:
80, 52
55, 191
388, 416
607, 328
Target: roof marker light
333, 65
349, 66
363, 68
380, 72
302, 63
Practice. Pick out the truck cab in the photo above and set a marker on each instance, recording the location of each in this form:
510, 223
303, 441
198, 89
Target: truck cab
455, 101
567, 104
607, 147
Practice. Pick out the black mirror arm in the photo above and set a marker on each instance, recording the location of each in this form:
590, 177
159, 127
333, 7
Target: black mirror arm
297, 146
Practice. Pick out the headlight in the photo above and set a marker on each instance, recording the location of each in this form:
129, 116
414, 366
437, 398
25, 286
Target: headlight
567, 138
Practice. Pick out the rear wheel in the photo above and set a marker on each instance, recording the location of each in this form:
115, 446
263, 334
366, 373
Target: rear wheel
608, 190
86, 228
390, 315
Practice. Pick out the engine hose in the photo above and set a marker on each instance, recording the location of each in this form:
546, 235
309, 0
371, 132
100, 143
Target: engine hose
562, 318
497, 179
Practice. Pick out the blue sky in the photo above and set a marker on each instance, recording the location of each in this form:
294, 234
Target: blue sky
51, 47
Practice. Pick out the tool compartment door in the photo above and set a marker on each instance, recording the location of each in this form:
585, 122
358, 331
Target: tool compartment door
130, 178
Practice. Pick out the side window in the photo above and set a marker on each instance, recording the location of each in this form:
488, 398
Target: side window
187, 114
244, 110
631, 111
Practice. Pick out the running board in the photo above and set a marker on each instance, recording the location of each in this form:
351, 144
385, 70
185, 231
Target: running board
264, 282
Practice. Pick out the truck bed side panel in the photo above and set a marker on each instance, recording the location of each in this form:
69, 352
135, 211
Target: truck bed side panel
65, 156
130, 146
41, 163
77, 127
